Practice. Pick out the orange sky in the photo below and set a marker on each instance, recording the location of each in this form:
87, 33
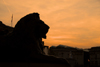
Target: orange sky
72, 22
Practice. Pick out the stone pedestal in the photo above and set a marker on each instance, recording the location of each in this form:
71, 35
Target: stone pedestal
32, 65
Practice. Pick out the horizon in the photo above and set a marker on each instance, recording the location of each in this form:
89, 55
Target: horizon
70, 46
72, 23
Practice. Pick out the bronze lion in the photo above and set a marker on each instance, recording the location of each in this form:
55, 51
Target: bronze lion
24, 43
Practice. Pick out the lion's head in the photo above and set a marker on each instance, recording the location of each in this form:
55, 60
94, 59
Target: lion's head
41, 29
38, 28
31, 27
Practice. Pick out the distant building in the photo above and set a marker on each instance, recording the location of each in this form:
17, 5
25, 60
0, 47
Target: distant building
95, 56
80, 56
46, 49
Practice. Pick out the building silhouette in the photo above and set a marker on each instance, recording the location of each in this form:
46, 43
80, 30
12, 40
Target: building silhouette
95, 56
73, 55
4, 29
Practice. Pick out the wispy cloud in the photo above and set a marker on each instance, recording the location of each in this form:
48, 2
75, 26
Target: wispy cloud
74, 23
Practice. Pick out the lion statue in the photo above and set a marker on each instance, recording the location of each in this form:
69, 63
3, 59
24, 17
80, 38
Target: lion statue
24, 43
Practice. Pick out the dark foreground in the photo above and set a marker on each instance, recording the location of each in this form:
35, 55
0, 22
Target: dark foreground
31, 65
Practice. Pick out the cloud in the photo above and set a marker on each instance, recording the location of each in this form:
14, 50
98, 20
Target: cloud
79, 20
74, 23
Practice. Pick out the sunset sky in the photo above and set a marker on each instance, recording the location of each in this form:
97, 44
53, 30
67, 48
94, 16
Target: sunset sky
73, 23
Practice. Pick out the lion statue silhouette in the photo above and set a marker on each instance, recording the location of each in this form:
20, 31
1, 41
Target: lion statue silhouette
24, 43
